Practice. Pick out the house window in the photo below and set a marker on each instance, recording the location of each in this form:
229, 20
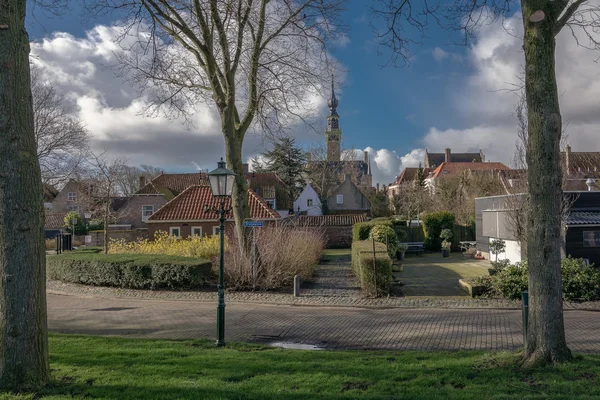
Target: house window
215, 230
147, 211
197, 231
73, 208
270, 203
175, 231
340, 199
72, 196
309, 202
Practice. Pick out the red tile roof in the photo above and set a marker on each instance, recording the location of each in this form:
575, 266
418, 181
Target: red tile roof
192, 204
331, 220
173, 183
54, 220
453, 167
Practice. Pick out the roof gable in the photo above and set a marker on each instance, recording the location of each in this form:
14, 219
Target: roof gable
196, 203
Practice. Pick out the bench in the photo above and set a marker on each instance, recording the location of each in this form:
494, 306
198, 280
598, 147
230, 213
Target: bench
466, 245
415, 247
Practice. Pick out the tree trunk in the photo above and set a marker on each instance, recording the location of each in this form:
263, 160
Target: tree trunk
23, 326
546, 340
239, 196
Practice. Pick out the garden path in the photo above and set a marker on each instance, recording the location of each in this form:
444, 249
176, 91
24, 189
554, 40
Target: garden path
333, 277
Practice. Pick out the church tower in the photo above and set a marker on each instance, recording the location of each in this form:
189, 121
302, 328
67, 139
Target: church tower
333, 133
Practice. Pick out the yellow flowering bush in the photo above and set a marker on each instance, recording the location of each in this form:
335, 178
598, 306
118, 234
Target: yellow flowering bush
200, 247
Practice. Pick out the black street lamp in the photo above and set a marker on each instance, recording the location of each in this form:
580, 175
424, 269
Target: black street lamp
221, 184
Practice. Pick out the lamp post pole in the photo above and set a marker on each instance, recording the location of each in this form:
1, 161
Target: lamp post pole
221, 289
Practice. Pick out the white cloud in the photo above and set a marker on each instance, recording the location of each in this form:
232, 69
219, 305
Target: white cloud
439, 54
486, 100
112, 109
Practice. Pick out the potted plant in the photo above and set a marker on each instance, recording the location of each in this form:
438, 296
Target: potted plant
446, 236
497, 246
401, 250
446, 245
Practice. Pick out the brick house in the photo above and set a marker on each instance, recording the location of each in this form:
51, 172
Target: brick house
271, 189
347, 198
155, 194
74, 196
190, 213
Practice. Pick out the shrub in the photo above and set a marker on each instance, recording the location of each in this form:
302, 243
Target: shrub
402, 247
580, 281
50, 244
361, 230
500, 265
433, 223
385, 234
377, 282
446, 245
80, 228
487, 283
135, 271
162, 243
511, 281
281, 254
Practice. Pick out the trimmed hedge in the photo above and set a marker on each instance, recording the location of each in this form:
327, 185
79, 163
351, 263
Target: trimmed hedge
385, 234
433, 223
362, 266
362, 230
132, 271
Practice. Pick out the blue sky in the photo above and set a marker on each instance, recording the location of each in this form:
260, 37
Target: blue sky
449, 95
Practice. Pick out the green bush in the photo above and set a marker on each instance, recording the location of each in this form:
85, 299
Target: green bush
433, 224
135, 271
379, 282
361, 230
580, 281
88, 249
385, 234
511, 281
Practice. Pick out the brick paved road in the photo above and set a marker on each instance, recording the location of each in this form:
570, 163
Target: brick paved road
330, 327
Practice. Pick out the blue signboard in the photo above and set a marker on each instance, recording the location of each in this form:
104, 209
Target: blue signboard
254, 224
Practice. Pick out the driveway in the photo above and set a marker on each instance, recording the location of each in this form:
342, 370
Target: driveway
328, 327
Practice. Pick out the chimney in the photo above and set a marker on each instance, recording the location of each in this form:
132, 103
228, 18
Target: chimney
447, 155
245, 168
481, 155
378, 187
308, 156
567, 156
366, 157
142, 181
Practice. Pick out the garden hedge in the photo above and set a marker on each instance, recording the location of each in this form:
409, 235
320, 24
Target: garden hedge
433, 223
362, 266
134, 271
361, 230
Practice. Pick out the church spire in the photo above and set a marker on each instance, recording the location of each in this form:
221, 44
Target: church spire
332, 102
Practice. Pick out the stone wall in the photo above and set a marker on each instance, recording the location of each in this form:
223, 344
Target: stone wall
128, 235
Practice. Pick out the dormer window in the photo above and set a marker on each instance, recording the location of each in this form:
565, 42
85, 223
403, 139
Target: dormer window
72, 196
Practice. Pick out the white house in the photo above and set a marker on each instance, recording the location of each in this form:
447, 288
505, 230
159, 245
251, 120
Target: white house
308, 202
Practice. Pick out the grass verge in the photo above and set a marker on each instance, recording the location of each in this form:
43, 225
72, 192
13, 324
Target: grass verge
117, 368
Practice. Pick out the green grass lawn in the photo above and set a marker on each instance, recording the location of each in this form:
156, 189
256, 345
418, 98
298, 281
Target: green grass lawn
115, 368
433, 275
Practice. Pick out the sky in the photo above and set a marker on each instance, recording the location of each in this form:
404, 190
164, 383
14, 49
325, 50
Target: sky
448, 96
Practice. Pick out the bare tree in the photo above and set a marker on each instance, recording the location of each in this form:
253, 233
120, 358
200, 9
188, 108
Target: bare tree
411, 200
543, 20
129, 178
257, 61
62, 140
325, 176
23, 325
103, 179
